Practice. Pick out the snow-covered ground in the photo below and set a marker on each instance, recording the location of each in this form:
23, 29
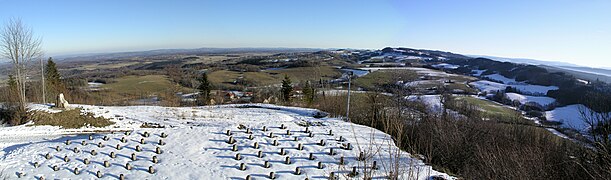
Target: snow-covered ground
197, 148
477, 72
489, 86
446, 66
433, 102
569, 116
523, 99
420, 71
501, 78
357, 72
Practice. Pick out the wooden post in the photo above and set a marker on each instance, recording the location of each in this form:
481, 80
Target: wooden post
266, 164
238, 156
242, 166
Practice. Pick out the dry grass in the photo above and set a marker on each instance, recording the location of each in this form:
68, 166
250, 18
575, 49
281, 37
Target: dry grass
488, 107
138, 85
69, 119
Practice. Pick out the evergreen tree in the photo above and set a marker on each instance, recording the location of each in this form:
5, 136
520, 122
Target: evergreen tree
53, 79
204, 89
287, 89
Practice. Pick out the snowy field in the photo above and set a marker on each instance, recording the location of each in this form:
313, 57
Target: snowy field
197, 146
433, 102
569, 117
501, 78
420, 71
523, 99
489, 86
446, 66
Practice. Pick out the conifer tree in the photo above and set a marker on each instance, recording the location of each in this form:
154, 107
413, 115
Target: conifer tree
287, 89
204, 89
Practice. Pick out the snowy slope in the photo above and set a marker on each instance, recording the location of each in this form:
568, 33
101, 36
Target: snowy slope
568, 116
523, 99
501, 78
197, 147
446, 66
489, 86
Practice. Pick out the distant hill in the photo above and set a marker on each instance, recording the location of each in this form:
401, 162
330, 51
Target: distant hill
587, 73
582, 74
527, 61
198, 51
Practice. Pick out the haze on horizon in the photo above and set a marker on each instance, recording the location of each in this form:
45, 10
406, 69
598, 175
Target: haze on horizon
577, 32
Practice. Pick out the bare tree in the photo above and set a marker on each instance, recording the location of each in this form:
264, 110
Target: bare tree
18, 44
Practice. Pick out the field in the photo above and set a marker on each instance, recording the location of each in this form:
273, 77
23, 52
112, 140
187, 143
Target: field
488, 107
226, 78
140, 85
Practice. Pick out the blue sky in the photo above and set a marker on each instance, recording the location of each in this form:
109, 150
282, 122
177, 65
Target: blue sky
576, 31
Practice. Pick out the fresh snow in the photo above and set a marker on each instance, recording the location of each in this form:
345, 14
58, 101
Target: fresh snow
196, 146
523, 99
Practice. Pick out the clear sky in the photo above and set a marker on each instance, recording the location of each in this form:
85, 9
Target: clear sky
576, 31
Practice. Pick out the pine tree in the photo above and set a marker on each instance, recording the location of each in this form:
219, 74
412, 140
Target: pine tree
204, 89
287, 89
53, 79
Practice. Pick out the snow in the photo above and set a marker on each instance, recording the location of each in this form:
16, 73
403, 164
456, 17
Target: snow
357, 72
446, 66
422, 71
489, 86
477, 72
583, 81
433, 102
569, 116
523, 99
196, 146
501, 78
421, 82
